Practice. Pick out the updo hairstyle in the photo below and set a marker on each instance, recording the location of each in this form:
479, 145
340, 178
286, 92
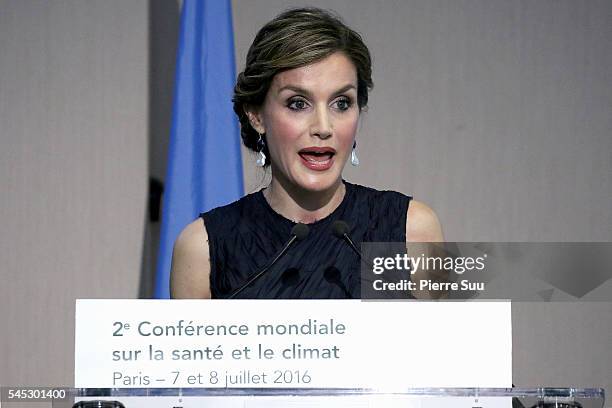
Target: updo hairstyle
296, 38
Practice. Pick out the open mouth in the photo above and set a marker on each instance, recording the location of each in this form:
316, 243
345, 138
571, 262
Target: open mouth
317, 158
317, 154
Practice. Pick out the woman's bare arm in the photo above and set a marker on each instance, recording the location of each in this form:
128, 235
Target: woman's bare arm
190, 274
422, 227
422, 224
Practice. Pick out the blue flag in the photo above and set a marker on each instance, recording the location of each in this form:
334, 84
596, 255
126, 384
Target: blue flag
204, 163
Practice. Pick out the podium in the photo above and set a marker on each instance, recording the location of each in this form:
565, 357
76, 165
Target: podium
167, 346
336, 398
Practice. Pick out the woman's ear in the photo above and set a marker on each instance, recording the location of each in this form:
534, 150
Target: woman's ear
255, 119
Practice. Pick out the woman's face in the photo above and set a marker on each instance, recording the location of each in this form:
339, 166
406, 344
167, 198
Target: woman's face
310, 117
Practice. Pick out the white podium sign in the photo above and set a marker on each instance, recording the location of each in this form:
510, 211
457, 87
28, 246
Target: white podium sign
292, 343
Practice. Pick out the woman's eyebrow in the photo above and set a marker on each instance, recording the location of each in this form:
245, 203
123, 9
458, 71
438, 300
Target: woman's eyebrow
303, 91
345, 88
294, 88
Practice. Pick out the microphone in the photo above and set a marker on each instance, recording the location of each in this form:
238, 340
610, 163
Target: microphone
332, 275
340, 229
298, 233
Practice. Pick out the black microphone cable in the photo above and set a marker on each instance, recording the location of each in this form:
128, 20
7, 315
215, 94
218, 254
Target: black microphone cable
298, 233
341, 229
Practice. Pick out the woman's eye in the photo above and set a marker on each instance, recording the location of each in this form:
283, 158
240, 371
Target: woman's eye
343, 104
297, 104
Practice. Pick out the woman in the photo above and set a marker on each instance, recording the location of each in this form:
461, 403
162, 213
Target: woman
299, 102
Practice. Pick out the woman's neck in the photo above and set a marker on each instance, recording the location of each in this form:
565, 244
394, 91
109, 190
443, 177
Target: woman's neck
303, 206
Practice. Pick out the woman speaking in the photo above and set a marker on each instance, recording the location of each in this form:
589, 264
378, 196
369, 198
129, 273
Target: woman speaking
299, 102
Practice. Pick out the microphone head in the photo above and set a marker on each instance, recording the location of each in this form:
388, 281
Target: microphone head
300, 231
339, 228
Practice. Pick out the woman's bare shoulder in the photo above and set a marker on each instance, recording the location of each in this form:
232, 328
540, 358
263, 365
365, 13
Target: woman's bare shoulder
190, 274
422, 224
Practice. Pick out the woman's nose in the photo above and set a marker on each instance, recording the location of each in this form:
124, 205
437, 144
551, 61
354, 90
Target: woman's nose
322, 125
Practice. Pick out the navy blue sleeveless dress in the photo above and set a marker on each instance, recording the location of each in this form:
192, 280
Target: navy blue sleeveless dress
246, 235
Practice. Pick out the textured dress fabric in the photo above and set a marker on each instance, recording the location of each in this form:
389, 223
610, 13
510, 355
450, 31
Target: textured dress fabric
245, 236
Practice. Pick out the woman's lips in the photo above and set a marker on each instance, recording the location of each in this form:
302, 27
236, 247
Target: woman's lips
318, 159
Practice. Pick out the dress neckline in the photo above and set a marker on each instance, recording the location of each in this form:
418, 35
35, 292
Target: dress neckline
348, 190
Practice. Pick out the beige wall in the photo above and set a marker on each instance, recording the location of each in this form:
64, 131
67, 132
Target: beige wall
73, 171
497, 113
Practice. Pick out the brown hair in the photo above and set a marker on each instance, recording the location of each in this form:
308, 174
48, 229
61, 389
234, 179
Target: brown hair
293, 39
